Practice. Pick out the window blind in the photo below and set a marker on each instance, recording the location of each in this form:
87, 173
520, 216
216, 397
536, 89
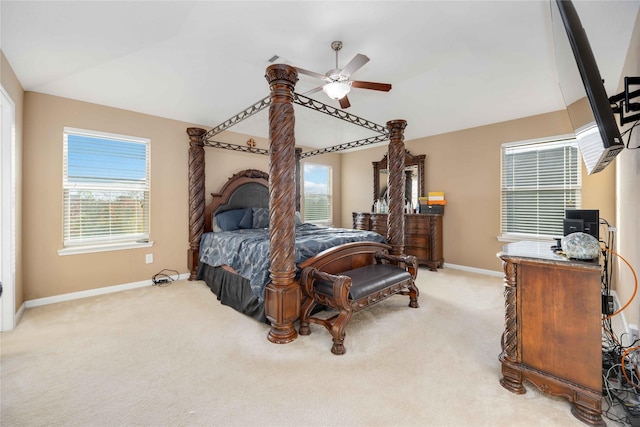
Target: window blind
317, 194
106, 188
539, 181
317, 208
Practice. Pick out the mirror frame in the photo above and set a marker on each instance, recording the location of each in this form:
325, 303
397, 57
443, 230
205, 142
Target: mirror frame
409, 160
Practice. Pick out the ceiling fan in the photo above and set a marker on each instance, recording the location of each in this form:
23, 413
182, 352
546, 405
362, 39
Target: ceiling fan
337, 83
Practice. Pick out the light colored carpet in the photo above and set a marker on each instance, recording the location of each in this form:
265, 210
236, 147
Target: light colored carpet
173, 356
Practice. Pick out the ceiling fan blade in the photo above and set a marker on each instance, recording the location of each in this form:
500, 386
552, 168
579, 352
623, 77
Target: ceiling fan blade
354, 65
344, 102
312, 91
385, 87
311, 73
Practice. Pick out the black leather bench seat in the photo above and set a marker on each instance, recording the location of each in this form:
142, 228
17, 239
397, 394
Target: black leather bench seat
351, 277
367, 280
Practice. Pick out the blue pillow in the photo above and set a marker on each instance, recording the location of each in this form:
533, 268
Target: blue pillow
235, 219
247, 219
260, 217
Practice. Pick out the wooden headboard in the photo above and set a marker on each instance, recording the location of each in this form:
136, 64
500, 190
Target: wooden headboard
246, 189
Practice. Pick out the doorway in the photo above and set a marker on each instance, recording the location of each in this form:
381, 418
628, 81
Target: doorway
7, 218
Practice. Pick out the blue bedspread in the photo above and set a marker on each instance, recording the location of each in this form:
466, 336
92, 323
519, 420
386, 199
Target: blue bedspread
247, 250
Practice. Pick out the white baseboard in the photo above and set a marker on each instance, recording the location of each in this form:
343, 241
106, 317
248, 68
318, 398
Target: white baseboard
88, 293
474, 270
19, 314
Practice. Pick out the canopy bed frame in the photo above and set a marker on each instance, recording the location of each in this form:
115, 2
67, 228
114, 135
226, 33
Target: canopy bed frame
283, 293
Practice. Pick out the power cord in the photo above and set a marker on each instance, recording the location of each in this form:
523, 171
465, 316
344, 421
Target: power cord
620, 364
163, 279
629, 131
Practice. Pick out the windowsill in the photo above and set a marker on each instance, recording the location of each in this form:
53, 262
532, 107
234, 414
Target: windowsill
103, 248
509, 238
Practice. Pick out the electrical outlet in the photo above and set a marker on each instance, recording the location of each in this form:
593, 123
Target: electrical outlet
149, 258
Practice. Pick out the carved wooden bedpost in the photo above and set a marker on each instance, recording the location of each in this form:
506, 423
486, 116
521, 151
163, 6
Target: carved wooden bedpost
298, 171
282, 294
376, 183
196, 197
395, 219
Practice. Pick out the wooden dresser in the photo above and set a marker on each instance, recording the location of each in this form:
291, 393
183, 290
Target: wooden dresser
422, 234
552, 335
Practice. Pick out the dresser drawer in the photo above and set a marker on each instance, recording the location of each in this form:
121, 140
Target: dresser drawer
379, 224
421, 253
418, 229
416, 225
422, 234
421, 241
361, 221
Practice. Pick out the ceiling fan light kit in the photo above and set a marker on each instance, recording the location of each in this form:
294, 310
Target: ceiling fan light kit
336, 90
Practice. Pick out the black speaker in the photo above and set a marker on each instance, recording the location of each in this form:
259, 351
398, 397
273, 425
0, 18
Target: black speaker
572, 225
585, 220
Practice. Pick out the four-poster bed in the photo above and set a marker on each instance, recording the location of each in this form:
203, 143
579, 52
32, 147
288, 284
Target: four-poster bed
235, 262
282, 295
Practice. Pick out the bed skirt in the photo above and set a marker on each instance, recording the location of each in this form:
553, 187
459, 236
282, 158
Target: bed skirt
232, 290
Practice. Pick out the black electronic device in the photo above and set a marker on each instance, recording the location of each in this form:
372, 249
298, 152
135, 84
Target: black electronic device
607, 304
595, 127
582, 220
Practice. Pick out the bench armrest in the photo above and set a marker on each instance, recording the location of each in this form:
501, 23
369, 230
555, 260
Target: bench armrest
408, 262
341, 284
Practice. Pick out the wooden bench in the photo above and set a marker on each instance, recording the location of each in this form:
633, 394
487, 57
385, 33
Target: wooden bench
349, 278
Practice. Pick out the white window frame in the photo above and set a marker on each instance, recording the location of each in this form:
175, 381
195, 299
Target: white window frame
511, 236
329, 221
139, 240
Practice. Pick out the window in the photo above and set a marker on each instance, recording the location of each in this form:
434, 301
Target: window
317, 194
539, 181
106, 190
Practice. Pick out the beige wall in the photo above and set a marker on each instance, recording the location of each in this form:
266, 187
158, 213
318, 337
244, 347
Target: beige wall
14, 89
357, 181
466, 166
46, 273
46, 116
628, 197
221, 164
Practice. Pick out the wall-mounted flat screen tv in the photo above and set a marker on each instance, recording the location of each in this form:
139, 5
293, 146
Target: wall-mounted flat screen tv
583, 91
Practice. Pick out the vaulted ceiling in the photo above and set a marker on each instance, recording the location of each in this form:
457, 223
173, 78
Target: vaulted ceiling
452, 64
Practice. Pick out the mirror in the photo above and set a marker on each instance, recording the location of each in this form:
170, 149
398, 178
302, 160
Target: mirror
414, 179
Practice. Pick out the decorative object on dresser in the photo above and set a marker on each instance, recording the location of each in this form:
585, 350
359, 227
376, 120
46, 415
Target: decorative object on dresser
432, 204
552, 335
422, 234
